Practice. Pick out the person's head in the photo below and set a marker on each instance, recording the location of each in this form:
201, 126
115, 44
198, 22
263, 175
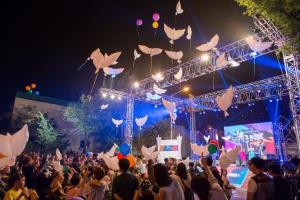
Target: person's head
256, 165
144, 176
161, 175
150, 162
181, 171
17, 180
191, 165
166, 160
124, 165
75, 180
98, 173
275, 169
209, 161
224, 172
200, 186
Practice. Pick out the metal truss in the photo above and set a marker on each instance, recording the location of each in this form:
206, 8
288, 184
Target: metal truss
238, 51
260, 90
129, 120
192, 130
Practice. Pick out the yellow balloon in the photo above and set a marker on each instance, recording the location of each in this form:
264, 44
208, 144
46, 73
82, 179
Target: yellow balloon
155, 25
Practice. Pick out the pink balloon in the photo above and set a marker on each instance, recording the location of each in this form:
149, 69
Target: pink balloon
155, 17
139, 22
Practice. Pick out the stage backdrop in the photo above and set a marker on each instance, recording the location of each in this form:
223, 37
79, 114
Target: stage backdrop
257, 137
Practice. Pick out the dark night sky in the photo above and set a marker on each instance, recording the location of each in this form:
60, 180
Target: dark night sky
45, 41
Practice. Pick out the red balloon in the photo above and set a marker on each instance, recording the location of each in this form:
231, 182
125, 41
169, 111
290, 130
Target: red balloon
27, 88
215, 142
121, 156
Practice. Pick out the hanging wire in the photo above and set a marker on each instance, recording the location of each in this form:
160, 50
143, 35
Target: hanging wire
83, 64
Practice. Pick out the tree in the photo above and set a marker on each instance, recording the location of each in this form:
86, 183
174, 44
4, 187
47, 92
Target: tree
47, 135
285, 14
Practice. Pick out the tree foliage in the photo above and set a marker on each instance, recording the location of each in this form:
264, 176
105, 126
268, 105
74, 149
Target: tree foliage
285, 14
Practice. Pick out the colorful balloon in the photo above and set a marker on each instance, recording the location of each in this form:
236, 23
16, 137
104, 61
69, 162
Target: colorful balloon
131, 160
212, 148
33, 85
155, 17
155, 25
27, 87
139, 22
125, 149
121, 156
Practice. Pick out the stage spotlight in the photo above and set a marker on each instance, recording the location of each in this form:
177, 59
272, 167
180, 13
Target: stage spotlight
271, 100
186, 89
180, 111
277, 99
119, 98
258, 90
253, 54
236, 107
155, 106
205, 57
159, 75
136, 84
203, 112
236, 96
112, 96
253, 104
104, 95
175, 110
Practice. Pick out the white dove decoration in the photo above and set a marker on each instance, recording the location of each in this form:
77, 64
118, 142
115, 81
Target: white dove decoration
102, 61
221, 61
200, 149
179, 9
117, 122
141, 121
158, 90
149, 153
111, 162
136, 54
104, 106
170, 106
158, 77
189, 33
173, 34
150, 51
206, 138
232, 62
225, 100
175, 55
12, 146
209, 45
226, 159
112, 71
179, 74
227, 138
111, 151
58, 154
151, 96
256, 44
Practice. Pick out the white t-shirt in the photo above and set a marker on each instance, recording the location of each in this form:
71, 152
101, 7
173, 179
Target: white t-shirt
252, 186
173, 191
216, 192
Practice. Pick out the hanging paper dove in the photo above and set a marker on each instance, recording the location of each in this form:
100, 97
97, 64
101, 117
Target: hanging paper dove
200, 149
173, 34
141, 121
158, 77
256, 44
106, 57
102, 61
179, 74
136, 56
175, 55
150, 96
58, 154
232, 62
149, 153
104, 106
151, 52
170, 106
117, 122
112, 71
209, 45
217, 137
111, 162
225, 100
12, 146
206, 138
221, 61
227, 138
179, 9
226, 159
189, 35
173, 117
158, 90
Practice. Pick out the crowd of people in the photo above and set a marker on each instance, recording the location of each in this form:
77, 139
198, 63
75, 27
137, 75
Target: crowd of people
81, 177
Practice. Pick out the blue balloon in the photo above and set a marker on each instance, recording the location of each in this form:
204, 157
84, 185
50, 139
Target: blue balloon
89, 154
37, 93
125, 149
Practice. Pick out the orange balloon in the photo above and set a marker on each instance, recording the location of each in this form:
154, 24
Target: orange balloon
2, 156
27, 88
131, 159
155, 25
33, 85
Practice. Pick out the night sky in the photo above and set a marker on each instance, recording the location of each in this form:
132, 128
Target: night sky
44, 42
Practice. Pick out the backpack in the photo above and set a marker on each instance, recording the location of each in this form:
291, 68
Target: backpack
188, 193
